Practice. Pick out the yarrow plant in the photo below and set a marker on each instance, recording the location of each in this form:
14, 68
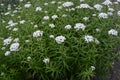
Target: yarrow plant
38, 9
98, 7
67, 4
46, 60
27, 5
7, 41
79, 26
118, 13
58, 39
103, 15
113, 32
38, 33
14, 47
68, 27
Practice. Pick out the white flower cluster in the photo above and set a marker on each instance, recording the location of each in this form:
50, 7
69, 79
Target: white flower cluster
81, 0
103, 15
29, 58
38, 9
7, 53
86, 18
68, 27
53, 2
11, 23
98, 7
107, 2
7, 41
16, 40
46, 18
60, 39
83, 6
54, 17
21, 0
93, 68
113, 32
2, 74
15, 29
36, 26
27, 5
110, 13
38, 33
111, 9
118, 0
67, 4
14, 47
89, 38
22, 21
46, 60
79, 26
51, 36
52, 25
118, 13
7, 13
45, 4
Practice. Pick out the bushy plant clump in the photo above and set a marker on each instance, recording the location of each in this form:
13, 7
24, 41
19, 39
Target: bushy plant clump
59, 39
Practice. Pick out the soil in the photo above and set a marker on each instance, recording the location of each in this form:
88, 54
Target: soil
115, 72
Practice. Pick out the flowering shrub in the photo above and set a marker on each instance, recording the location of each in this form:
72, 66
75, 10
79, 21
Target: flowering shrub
59, 40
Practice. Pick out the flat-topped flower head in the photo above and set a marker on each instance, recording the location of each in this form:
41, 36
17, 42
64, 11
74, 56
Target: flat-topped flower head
86, 18
38, 9
22, 21
79, 26
7, 41
107, 2
110, 13
14, 47
98, 7
118, 13
15, 29
21, 0
7, 53
54, 17
29, 58
27, 5
2, 74
52, 25
46, 18
46, 60
111, 9
68, 27
89, 38
96, 41
113, 32
16, 40
53, 2
67, 4
64, 15
51, 36
103, 15
36, 26
45, 4
60, 39
81, 0
84, 6
118, 0
93, 68
38, 33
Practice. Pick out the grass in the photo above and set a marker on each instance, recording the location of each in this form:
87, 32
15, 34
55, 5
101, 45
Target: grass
41, 57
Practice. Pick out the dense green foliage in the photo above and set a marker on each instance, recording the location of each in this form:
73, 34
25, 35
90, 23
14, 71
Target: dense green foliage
74, 58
